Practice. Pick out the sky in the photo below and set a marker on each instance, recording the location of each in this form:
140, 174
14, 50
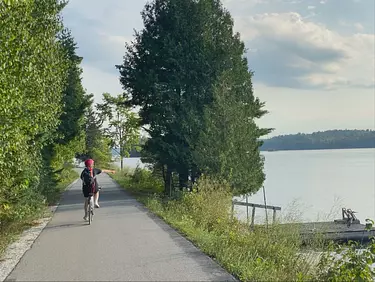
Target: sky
313, 60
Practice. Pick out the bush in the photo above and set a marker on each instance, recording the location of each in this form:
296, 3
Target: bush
140, 181
208, 205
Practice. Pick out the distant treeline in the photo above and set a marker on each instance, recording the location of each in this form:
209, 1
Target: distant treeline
133, 153
331, 139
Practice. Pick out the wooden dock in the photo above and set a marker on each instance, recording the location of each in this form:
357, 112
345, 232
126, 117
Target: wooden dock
348, 228
336, 231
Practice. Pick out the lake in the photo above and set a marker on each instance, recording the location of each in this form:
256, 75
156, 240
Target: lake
315, 185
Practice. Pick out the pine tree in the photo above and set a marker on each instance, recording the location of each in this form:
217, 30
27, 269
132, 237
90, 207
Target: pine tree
172, 70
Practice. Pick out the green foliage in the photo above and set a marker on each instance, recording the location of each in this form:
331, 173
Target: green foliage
228, 147
123, 128
146, 181
331, 139
101, 153
40, 95
32, 75
74, 100
97, 145
139, 181
170, 72
349, 262
208, 205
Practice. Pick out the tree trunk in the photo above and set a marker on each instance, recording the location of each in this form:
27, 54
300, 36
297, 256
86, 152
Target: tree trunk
183, 178
194, 174
168, 182
163, 172
120, 143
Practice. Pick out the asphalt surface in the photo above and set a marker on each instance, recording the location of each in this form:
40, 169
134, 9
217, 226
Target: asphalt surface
124, 243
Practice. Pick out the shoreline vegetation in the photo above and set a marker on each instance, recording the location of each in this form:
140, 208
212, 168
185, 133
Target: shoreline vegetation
321, 140
263, 254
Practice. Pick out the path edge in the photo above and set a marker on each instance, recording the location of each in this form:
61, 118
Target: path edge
154, 216
15, 251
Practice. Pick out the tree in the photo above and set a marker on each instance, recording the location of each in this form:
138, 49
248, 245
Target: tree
228, 148
123, 124
33, 70
164, 71
75, 101
170, 71
70, 137
97, 146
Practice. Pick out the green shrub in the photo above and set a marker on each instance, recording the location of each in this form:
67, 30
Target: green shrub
208, 205
348, 262
140, 181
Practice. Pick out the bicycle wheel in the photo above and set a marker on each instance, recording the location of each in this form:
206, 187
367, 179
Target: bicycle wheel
89, 208
92, 208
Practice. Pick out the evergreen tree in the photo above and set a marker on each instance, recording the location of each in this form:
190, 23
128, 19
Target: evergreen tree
97, 145
171, 70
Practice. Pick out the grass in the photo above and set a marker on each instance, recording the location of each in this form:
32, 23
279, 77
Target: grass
66, 179
11, 232
264, 254
272, 254
139, 181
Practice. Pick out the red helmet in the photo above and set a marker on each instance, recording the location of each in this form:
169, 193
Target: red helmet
89, 162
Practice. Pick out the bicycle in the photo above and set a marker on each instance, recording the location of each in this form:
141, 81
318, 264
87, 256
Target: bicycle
90, 204
90, 207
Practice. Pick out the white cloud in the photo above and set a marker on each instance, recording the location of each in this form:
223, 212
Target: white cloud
326, 58
97, 82
359, 26
286, 51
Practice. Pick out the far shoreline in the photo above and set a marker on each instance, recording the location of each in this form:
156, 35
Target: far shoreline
287, 150
315, 149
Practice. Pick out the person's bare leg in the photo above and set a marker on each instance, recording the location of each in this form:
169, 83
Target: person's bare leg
85, 207
96, 198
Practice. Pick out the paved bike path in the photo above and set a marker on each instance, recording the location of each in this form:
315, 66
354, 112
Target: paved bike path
124, 243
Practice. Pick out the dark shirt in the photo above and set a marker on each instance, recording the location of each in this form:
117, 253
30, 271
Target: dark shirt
87, 179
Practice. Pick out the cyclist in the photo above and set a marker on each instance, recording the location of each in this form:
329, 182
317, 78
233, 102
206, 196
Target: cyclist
88, 180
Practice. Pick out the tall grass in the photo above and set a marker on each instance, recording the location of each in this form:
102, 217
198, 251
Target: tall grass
204, 216
139, 181
276, 253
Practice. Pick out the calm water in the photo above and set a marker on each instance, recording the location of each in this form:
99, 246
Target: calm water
315, 185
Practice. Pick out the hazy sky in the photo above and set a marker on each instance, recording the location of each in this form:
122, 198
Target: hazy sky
314, 61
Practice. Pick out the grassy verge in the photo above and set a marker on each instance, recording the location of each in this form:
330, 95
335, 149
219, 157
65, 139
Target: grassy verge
65, 180
139, 182
273, 254
11, 232
205, 219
